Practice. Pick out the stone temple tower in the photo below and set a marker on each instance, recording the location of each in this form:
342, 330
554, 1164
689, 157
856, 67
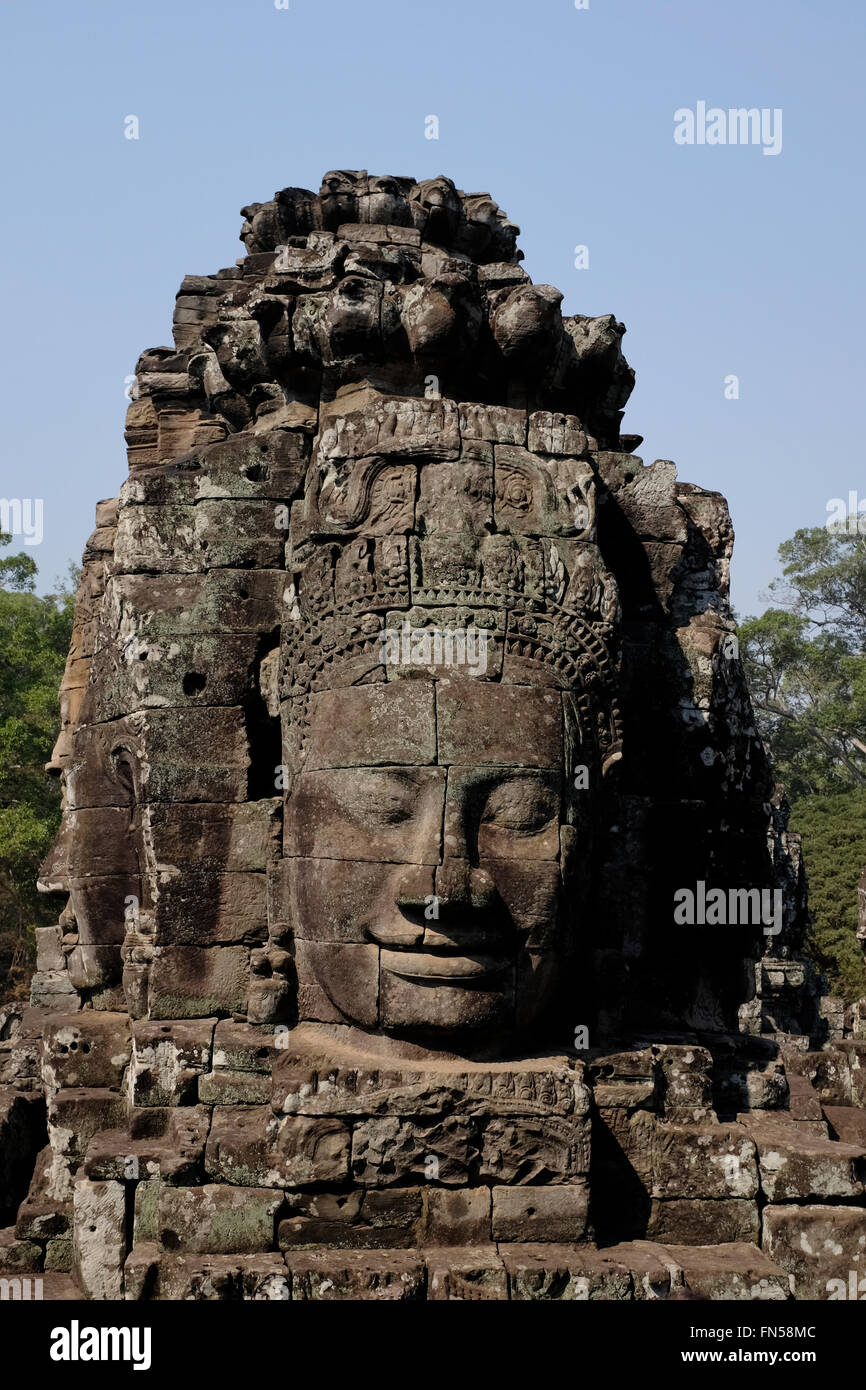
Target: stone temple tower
430, 923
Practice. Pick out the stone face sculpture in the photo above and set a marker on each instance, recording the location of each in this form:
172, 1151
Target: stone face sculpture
402, 701
441, 683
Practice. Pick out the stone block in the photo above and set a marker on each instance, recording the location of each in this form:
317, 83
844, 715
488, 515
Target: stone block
169, 1058
456, 1217
234, 1088
818, 1246
87, 1049
333, 900
364, 813
518, 1149
200, 907
184, 539
703, 1161
359, 1275
76, 1114
217, 1219
372, 1220
847, 1124
685, 1082
736, 1272
194, 755
52, 989
381, 725
466, 1274
244, 1047
565, 1274
554, 433
504, 725
99, 1238
249, 1146
150, 1273
49, 956
145, 1226
47, 1209
165, 1142
798, 1167
390, 1151
196, 981
703, 1221
532, 1214
59, 1255
23, 1256
220, 600
497, 423
337, 982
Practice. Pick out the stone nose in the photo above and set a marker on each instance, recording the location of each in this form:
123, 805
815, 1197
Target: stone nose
464, 918
59, 754
458, 885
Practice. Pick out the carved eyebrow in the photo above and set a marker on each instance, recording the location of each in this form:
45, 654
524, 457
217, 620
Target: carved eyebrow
486, 775
403, 775
380, 783
536, 795
542, 786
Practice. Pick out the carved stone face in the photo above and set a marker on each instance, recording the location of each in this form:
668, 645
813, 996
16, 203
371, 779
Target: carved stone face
434, 846
98, 850
426, 837
439, 207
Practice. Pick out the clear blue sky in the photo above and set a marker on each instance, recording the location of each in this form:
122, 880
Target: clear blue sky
719, 259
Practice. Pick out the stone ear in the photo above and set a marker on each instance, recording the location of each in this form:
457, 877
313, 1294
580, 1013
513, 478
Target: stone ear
126, 772
612, 761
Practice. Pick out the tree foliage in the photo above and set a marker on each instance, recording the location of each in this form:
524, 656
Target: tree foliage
805, 661
34, 640
834, 840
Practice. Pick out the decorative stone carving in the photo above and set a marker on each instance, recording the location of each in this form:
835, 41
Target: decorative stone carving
400, 702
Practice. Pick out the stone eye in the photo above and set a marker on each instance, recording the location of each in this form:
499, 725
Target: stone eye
393, 802
526, 807
373, 802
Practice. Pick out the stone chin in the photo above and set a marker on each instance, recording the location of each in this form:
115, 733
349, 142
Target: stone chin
480, 996
443, 998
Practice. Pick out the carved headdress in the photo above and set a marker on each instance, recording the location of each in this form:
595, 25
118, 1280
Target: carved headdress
409, 518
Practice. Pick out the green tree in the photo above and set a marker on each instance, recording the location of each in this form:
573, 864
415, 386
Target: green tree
805, 661
34, 640
809, 692
834, 840
824, 578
